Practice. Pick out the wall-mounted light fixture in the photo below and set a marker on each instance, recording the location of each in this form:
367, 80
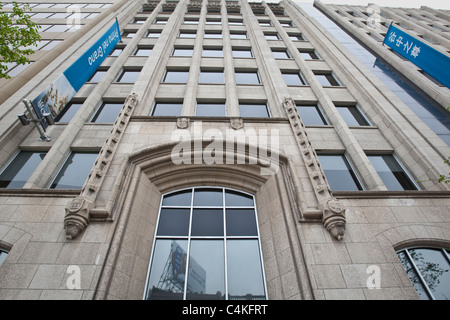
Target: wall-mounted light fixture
47, 117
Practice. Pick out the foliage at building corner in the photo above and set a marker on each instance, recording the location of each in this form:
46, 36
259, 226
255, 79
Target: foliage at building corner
17, 35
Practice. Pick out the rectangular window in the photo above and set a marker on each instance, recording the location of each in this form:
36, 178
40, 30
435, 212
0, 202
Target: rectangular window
293, 79
75, 170
280, 54
249, 77
309, 55
175, 76
128, 76
242, 53
213, 35
339, 173
392, 173
238, 35
68, 112
216, 77
327, 79
19, 170
311, 115
271, 36
107, 112
97, 76
210, 110
212, 52
352, 116
253, 110
187, 34
167, 109
154, 34
182, 52
142, 52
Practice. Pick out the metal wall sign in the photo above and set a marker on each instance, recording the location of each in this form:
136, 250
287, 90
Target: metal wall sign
430, 60
61, 91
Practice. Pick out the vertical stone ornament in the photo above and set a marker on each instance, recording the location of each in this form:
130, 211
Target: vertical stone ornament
333, 212
77, 211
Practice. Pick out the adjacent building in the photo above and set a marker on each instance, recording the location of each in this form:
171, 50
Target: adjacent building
228, 150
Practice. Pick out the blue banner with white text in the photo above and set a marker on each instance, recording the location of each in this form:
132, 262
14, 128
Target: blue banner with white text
430, 60
61, 91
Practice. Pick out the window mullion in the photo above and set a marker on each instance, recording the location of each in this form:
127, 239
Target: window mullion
188, 249
225, 244
422, 280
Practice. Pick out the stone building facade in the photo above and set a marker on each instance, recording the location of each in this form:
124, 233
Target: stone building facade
312, 166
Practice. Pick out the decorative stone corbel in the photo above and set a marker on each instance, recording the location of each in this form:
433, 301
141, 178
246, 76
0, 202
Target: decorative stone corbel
333, 217
183, 122
77, 217
237, 123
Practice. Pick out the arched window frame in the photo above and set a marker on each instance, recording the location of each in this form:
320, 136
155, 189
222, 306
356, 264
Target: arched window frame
225, 237
409, 259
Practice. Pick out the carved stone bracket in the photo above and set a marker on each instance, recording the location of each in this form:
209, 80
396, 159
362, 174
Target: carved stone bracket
237, 123
333, 218
77, 217
333, 212
77, 211
183, 122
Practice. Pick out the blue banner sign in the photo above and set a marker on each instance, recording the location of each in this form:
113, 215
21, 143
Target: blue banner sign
61, 91
422, 55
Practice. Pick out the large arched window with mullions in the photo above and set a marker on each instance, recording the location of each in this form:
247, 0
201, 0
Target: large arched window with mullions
429, 271
206, 247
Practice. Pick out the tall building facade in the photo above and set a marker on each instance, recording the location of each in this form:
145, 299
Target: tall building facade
228, 150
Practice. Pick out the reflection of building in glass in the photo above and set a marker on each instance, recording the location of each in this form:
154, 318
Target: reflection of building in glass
228, 150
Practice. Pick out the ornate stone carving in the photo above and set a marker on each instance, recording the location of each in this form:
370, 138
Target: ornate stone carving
237, 123
183, 122
77, 211
77, 217
333, 212
333, 217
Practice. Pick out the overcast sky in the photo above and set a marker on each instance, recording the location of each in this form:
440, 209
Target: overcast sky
437, 4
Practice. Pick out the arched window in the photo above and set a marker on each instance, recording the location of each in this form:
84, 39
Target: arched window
3, 255
206, 247
429, 271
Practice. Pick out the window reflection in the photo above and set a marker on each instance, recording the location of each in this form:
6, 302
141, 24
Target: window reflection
428, 269
206, 247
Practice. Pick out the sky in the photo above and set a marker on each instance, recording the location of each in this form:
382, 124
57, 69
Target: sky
436, 4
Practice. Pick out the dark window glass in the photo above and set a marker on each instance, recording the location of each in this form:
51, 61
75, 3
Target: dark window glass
181, 198
340, 175
68, 112
208, 197
173, 222
352, 116
207, 222
193, 264
75, 170
271, 36
311, 115
196, 266
212, 35
210, 109
238, 35
392, 174
244, 263
16, 174
309, 55
238, 199
241, 222
167, 109
116, 52
107, 112
253, 110
188, 34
